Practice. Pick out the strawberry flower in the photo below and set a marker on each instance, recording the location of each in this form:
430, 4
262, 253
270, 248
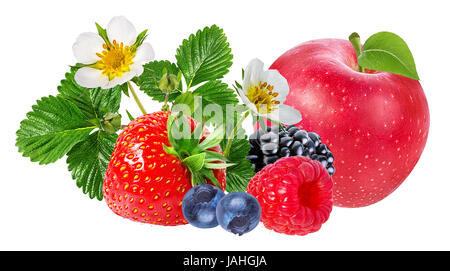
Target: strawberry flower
264, 92
112, 57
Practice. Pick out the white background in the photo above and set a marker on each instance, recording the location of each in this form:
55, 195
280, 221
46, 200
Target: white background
42, 209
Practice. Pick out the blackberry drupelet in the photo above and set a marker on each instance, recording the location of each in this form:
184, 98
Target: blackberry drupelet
268, 146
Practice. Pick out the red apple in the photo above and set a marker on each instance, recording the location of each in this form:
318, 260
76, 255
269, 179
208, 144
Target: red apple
376, 124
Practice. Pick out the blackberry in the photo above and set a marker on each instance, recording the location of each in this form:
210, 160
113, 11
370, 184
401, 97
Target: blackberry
268, 146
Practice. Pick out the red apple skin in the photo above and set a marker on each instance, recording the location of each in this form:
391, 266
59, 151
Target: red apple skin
376, 124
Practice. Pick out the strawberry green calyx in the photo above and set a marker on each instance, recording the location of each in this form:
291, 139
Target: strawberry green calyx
188, 147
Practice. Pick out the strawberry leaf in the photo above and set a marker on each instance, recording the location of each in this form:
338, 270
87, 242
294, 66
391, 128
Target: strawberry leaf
149, 80
51, 130
91, 102
238, 175
215, 93
204, 56
88, 161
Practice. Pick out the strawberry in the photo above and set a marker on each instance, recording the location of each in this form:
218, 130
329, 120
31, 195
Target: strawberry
148, 176
295, 194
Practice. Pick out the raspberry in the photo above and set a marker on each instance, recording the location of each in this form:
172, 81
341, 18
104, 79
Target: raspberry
295, 194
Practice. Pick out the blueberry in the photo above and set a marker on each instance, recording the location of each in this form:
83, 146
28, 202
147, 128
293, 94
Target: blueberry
199, 205
238, 212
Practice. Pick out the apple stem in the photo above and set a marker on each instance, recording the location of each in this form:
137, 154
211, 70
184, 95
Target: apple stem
356, 42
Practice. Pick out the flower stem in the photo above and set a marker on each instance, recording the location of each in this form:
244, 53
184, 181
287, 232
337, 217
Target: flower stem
230, 140
262, 123
136, 99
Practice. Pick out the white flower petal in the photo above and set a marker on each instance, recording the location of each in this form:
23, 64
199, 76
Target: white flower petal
253, 73
144, 53
121, 30
90, 78
86, 46
286, 115
253, 108
279, 83
126, 76
137, 69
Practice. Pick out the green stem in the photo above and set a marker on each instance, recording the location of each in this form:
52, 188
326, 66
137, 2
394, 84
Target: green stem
136, 99
166, 107
282, 127
262, 123
356, 42
230, 140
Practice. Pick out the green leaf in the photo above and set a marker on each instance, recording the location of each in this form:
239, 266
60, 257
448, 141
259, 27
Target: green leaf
213, 139
51, 130
216, 92
124, 88
204, 56
140, 38
210, 165
148, 81
90, 101
195, 162
88, 161
206, 173
239, 149
187, 98
238, 176
102, 33
130, 117
385, 51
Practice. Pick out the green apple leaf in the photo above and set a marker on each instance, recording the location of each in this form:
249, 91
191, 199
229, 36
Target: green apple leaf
51, 130
386, 51
204, 56
91, 102
88, 161
148, 81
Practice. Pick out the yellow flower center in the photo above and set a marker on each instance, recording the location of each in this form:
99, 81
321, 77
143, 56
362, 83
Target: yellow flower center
115, 60
263, 97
